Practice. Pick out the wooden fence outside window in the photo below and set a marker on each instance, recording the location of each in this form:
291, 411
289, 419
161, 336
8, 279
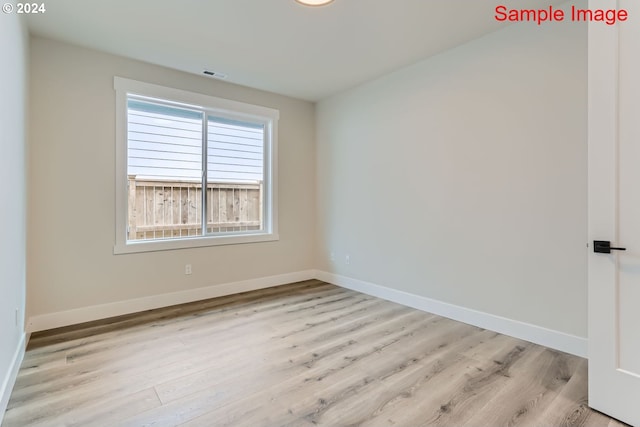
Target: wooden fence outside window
161, 209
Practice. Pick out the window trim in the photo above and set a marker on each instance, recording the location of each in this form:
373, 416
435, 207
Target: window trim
124, 87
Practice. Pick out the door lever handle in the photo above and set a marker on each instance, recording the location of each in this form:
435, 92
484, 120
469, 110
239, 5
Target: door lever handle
604, 247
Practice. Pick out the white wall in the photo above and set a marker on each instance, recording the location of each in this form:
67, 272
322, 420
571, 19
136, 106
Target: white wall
13, 90
463, 178
72, 223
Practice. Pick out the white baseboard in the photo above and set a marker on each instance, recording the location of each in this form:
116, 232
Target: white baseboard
10, 377
103, 311
547, 337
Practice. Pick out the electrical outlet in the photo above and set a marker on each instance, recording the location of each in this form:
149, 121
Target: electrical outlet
17, 317
347, 259
187, 269
332, 257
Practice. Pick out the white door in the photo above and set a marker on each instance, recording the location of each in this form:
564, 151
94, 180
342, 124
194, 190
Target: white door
614, 213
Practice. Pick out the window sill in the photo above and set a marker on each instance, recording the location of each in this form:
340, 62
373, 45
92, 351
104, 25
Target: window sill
191, 242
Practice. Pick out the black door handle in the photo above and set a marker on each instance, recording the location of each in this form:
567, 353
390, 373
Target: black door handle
604, 247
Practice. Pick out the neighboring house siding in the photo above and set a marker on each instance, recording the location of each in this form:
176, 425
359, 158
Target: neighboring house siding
166, 143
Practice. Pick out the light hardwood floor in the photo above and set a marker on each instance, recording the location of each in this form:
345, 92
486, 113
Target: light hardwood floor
298, 355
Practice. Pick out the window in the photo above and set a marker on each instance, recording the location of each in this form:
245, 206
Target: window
192, 170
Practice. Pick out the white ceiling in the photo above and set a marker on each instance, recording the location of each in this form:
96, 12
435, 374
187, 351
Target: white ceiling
274, 45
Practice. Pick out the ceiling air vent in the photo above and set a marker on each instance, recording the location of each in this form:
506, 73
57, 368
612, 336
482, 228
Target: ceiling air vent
214, 74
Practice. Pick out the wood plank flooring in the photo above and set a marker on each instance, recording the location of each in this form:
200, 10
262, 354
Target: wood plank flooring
306, 354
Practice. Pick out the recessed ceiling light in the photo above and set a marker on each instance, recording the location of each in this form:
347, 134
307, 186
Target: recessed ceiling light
314, 2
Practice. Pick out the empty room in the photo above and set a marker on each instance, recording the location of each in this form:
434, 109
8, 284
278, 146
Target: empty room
320, 213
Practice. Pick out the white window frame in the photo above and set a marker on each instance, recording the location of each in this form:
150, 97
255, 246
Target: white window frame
125, 87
